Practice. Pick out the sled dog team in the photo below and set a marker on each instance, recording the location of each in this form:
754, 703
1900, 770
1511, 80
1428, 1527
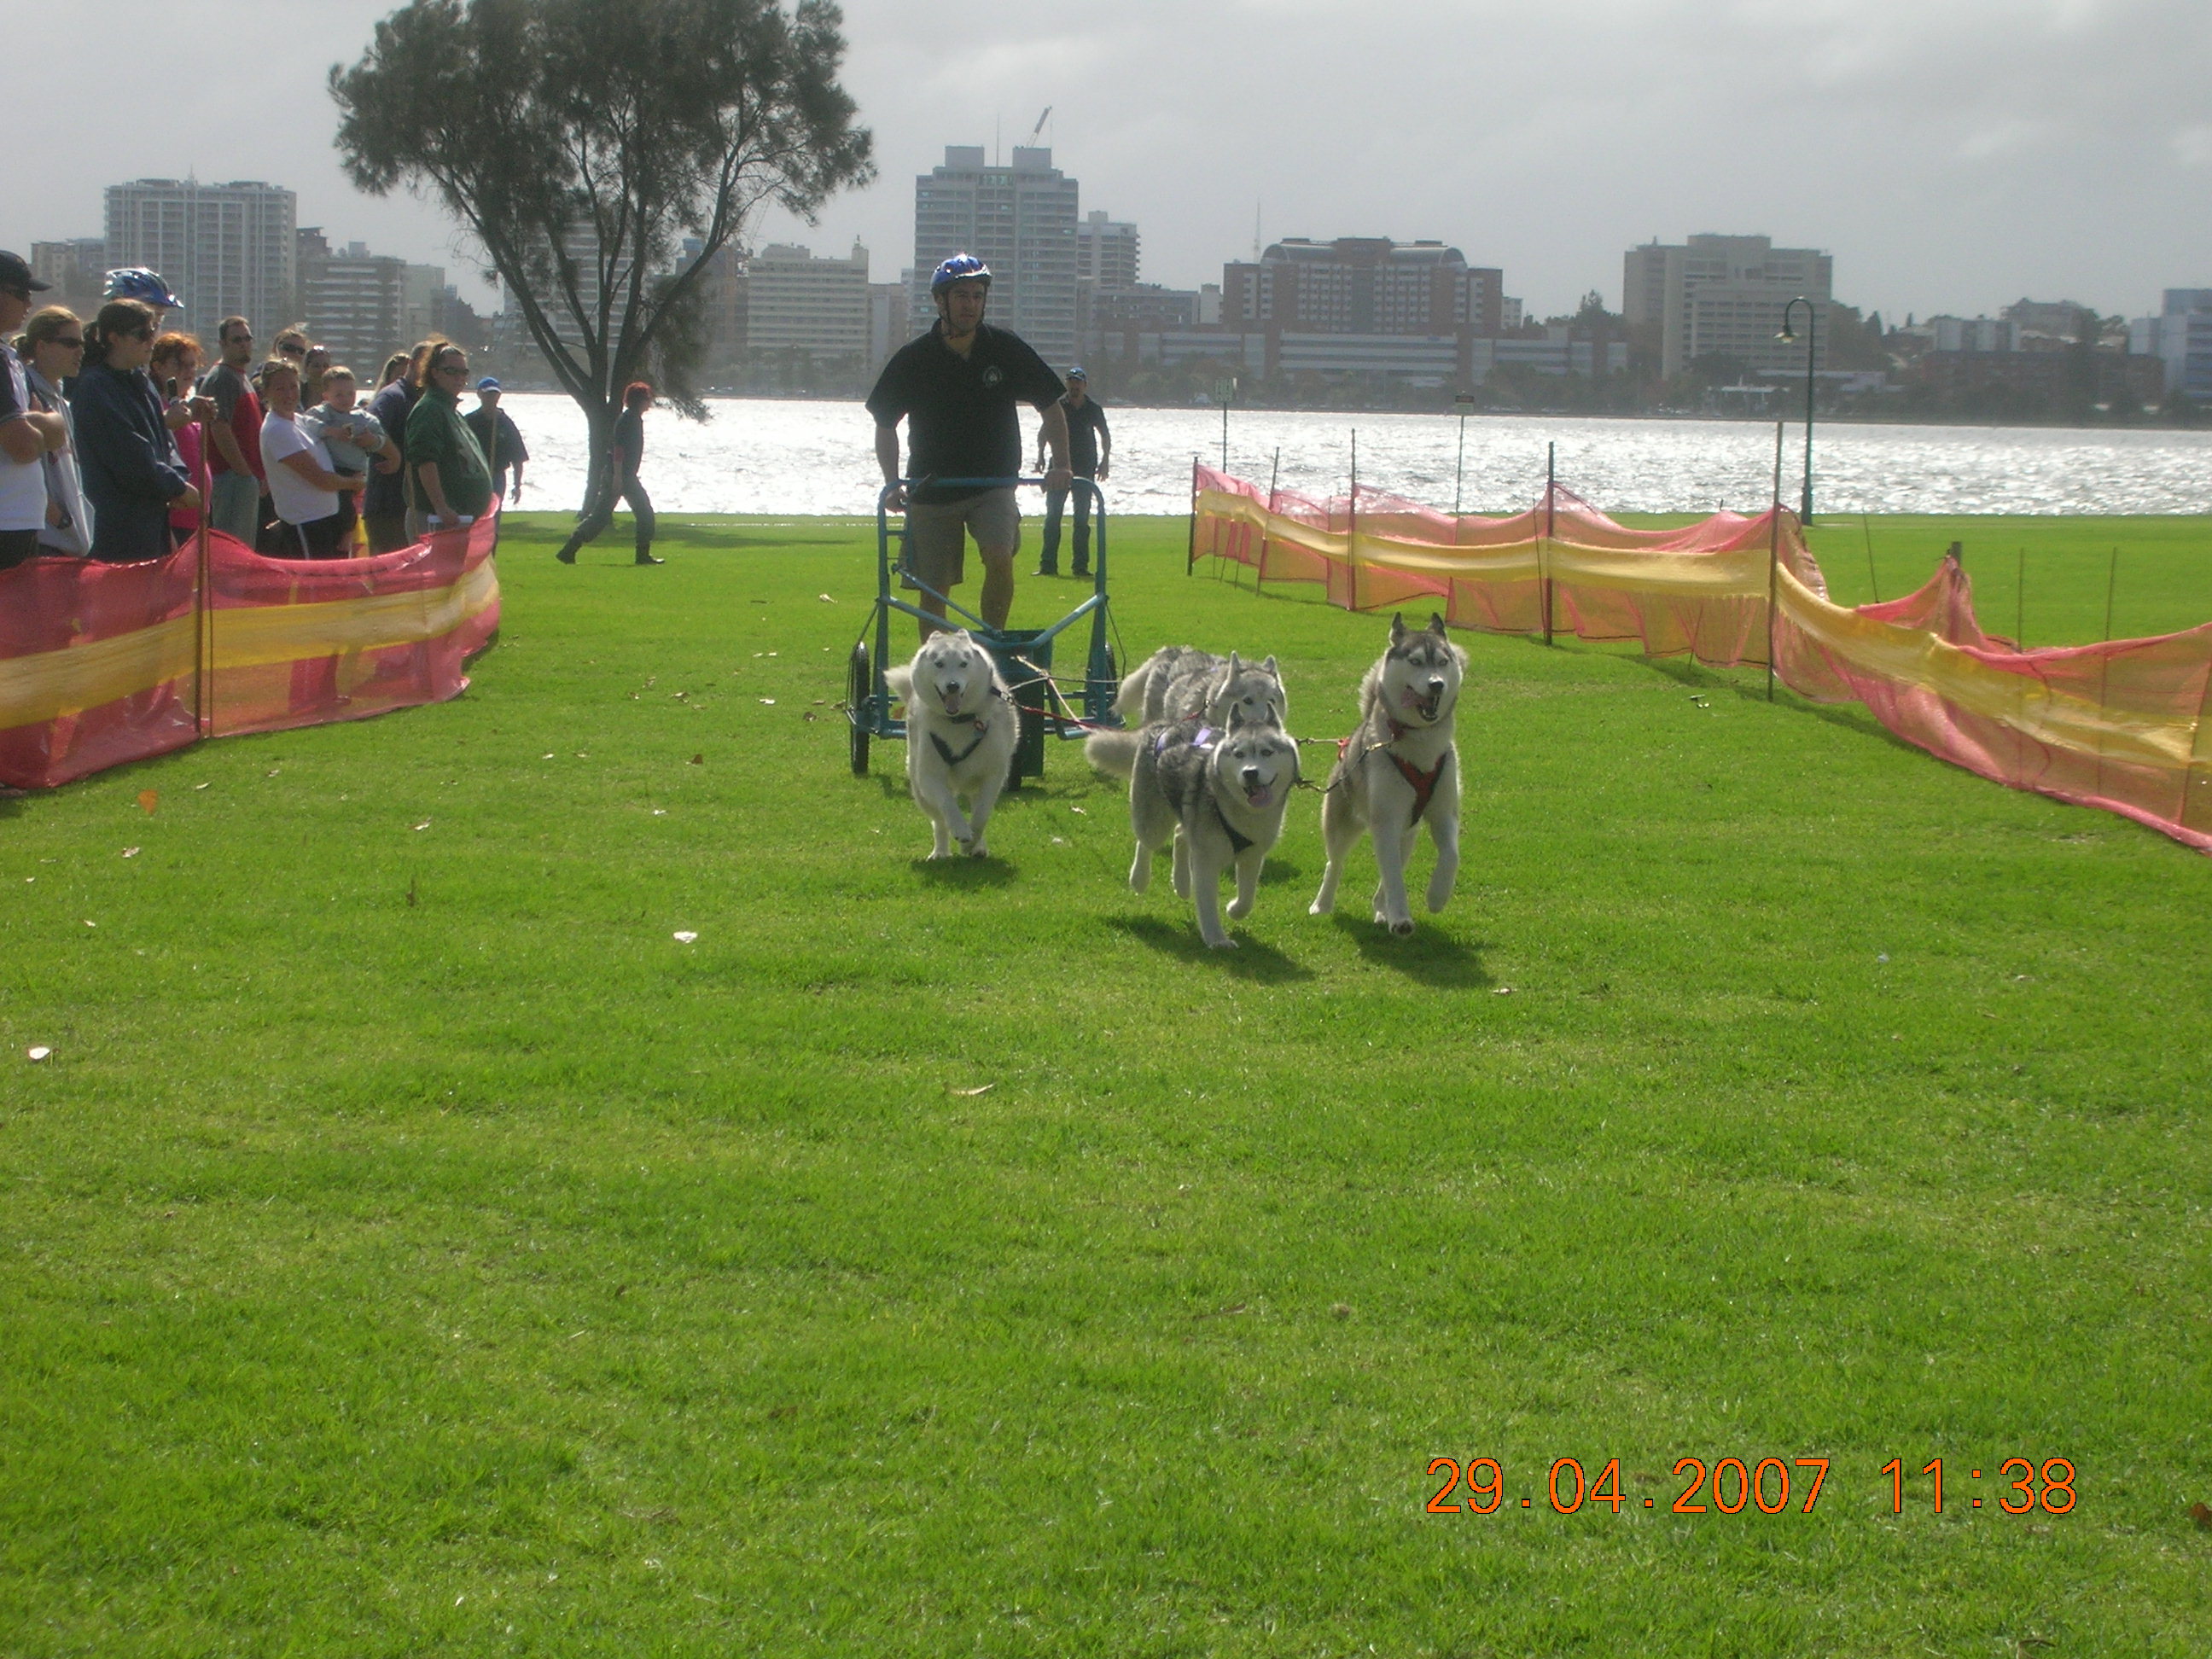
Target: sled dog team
1210, 765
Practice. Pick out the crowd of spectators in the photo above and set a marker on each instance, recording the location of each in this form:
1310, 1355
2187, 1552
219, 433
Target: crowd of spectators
117, 441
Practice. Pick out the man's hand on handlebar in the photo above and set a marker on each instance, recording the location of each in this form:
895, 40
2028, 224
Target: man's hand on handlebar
1059, 477
895, 500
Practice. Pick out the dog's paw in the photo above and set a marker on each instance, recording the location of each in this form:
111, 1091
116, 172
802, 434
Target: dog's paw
974, 849
1403, 929
1238, 909
1320, 907
1224, 942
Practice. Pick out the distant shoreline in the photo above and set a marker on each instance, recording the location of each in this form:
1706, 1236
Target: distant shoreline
1664, 417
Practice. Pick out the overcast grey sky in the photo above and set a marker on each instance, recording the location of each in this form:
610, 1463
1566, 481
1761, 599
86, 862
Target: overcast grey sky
1952, 155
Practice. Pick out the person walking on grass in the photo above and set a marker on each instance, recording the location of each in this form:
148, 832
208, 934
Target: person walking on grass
448, 480
957, 388
1089, 447
628, 455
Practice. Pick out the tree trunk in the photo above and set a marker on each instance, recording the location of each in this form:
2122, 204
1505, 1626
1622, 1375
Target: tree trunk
599, 481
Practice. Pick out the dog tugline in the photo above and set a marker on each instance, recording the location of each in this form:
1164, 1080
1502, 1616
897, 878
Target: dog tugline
957, 388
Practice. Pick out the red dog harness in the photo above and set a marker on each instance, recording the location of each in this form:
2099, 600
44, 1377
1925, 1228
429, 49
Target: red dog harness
1423, 784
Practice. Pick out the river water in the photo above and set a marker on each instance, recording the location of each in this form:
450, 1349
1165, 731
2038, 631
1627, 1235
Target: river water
758, 455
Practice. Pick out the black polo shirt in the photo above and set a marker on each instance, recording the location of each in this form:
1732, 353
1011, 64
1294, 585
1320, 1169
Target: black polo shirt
1085, 426
960, 410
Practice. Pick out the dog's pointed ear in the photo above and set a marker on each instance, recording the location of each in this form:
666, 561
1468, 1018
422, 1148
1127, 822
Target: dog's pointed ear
1397, 630
1236, 718
1436, 625
1236, 665
1269, 667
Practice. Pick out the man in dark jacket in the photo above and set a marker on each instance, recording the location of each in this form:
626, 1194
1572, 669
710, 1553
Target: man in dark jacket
132, 475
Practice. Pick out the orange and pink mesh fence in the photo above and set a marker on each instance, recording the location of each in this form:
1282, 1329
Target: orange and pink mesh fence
2118, 726
103, 663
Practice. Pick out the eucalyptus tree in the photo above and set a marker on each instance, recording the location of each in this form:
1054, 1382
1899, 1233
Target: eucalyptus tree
602, 153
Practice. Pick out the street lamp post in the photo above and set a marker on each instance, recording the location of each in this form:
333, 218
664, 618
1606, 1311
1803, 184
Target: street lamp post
1805, 502
1463, 404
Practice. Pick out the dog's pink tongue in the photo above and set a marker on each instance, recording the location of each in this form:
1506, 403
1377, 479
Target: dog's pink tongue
1260, 797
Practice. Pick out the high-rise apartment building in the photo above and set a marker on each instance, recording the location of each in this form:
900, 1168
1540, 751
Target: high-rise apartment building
1020, 219
354, 301
224, 249
1363, 285
801, 301
1105, 253
1724, 297
76, 269
2180, 335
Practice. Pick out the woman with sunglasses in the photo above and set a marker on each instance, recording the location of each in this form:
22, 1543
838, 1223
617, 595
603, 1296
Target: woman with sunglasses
449, 482
52, 349
132, 473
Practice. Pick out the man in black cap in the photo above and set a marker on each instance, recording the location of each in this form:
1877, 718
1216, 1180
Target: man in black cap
1090, 446
499, 438
27, 434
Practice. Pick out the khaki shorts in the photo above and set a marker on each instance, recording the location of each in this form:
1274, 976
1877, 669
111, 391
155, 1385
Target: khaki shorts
937, 536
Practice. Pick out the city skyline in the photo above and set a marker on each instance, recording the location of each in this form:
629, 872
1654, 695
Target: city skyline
2052, 169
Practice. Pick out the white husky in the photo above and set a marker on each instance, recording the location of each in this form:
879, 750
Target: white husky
1399, 769
961, 729
1217, 795
1178, 683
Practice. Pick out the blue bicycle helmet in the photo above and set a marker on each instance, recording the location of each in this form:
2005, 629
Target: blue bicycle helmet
958, 269
137, 283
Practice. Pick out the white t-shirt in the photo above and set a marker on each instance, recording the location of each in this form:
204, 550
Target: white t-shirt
22, 483
297, 500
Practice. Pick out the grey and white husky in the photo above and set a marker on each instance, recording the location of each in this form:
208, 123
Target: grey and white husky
1399, 770
1178, 683
1217, 793
961, 729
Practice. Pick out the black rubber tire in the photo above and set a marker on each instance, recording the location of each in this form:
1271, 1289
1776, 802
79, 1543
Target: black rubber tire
861, 711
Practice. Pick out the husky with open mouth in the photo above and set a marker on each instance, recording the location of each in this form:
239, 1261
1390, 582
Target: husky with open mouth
961, 729
1178, 683
1399, 770
1217, 794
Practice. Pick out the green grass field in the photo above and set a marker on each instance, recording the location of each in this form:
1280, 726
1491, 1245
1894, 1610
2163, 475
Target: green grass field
410, 1248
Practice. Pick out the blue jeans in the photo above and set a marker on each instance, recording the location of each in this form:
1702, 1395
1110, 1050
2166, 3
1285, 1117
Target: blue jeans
1055, 502
235, 505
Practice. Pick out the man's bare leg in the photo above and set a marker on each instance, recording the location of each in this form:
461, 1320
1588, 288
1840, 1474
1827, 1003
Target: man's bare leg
997, 601
935, 607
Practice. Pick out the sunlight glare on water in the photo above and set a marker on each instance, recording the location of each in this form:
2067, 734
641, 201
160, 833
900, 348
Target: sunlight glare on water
760, 455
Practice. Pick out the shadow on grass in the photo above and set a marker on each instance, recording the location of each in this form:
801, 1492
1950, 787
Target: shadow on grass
686, 535
1852, 717
963, 874
1249, 960
1432, 957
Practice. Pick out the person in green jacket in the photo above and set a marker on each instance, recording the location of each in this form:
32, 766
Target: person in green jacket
448, 482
